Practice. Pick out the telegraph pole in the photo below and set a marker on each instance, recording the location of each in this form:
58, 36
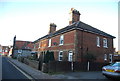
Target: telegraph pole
14, 40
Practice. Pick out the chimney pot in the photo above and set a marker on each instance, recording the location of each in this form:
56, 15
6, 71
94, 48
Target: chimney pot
74, 16
52, 28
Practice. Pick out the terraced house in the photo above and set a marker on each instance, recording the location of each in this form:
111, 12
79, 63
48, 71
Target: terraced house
75, 41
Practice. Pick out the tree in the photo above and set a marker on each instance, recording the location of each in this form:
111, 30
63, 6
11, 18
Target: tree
49, 56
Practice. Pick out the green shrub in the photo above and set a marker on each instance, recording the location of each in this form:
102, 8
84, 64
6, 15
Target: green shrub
49, 56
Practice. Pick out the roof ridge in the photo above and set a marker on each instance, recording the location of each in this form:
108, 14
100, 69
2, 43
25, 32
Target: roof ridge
94, 29
77, 25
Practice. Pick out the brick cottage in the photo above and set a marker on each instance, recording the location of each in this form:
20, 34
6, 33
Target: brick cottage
75, 41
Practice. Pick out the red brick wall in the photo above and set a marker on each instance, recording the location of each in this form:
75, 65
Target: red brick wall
68, 42
19, 44
66, 47
80, 43
90, 46
43, 44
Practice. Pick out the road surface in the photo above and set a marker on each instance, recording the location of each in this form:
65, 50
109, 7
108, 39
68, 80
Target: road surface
10, 71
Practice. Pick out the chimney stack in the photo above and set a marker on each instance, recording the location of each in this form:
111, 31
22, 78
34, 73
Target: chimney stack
52, 28
74, 16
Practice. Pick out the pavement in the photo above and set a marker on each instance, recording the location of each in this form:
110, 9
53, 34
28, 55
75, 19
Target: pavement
36, 74
87, 75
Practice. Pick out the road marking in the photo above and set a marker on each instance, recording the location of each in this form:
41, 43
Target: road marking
29, 77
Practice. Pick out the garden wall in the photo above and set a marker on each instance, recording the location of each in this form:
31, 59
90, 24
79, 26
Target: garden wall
31, 63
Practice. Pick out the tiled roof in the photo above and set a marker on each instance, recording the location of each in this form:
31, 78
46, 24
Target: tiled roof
91, 29
23, 44
78, 26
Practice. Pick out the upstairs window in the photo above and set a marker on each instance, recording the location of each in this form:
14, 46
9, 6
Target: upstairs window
61, 40
60, 58
98, 41
49, 42
39, 44
105, 43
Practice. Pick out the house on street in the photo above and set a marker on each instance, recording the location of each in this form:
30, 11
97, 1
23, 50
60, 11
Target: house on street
22, 48
75, 42
5, 50
74, 47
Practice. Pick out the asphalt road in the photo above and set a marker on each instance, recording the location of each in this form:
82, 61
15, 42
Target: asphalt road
9, 71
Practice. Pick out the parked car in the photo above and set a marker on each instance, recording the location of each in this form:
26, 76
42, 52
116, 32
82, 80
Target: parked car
112, 70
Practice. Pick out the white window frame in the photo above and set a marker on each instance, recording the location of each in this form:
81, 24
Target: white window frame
70, 56
98, 41
105, 57
49, 42
39, 44
110, 58
61, 39
105, 43
19, 51
60, 56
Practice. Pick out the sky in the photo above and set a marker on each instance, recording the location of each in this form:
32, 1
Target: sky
30, 19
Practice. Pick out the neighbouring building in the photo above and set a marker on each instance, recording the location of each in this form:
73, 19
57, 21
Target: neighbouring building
22, 48
5, 50
116, 56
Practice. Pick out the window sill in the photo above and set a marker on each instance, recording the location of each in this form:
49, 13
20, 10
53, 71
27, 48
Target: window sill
98, 46
60, 44
59, 60
105, 47
105, 59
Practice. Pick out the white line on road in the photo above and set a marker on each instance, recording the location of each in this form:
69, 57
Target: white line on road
29, 77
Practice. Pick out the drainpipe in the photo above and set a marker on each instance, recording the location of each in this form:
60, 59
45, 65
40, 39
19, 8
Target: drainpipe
88, 66
72, 66
82, 46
